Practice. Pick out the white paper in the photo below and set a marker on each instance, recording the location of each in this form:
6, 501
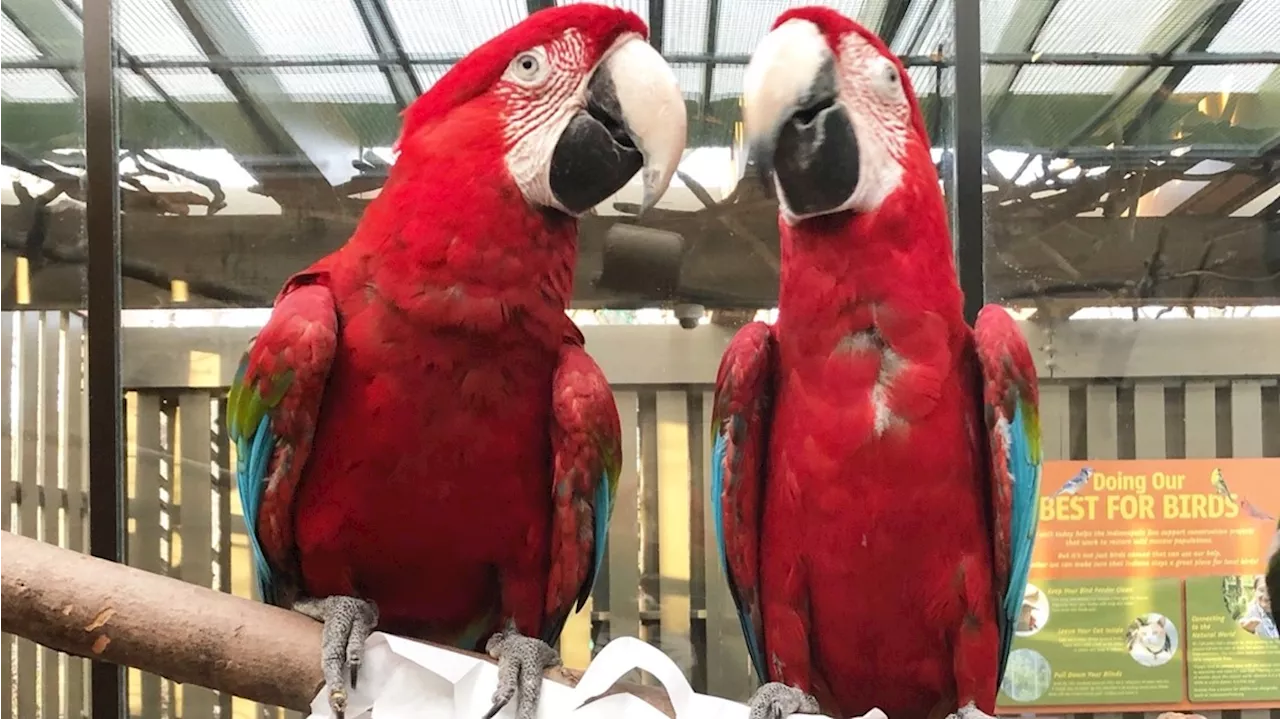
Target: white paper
403, 679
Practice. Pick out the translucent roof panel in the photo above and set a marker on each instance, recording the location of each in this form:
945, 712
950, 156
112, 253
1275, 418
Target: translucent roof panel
923, 81
691, 78
726, 81
191, 85
450, 28
1108, 26
939, 29
428, 74
743, 23
315, 28
14, 45
1247, 79
684, 27
153, 29
1255, 27
919, 14
1128, 109
339, 86
135, 88
639, 7
1009, 25
1067, 80
35, 86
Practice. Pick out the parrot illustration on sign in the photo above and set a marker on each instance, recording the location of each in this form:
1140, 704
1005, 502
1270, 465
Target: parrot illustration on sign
1077, 482
1219, 483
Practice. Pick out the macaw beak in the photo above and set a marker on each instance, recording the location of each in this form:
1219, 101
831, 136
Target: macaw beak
798, 133
633, 120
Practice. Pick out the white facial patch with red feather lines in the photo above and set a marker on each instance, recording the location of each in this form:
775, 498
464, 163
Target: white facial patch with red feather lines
543, 88
871, 90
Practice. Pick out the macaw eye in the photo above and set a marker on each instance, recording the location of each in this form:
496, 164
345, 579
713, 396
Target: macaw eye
886, 80
527, 67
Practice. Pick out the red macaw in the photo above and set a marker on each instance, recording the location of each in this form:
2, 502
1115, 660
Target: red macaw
424, 446
876, 462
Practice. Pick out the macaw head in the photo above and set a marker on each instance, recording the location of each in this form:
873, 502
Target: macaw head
831, 120
570, 104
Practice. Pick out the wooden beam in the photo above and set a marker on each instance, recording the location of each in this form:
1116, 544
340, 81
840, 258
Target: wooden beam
1088, 257
114, 613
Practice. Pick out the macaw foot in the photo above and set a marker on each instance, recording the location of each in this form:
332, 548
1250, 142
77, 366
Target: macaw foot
347, 623
776, 700
970, 711
521, 662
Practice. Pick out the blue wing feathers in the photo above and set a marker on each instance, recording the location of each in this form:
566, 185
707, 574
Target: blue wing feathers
754, 646
1024, 468
252, 461
604, 510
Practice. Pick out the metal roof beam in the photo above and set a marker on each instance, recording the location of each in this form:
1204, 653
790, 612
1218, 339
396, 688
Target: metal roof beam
317, 146
1093, 123
71, 77
894, 12
127, 60
1003, 95
217, 63
657, 21
708, 70
1218, 18
382, 34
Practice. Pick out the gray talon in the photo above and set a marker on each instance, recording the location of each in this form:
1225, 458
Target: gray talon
348, 622
521, 662
776, 700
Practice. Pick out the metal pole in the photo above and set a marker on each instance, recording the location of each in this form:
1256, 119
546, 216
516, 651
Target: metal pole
968, 157
102, 230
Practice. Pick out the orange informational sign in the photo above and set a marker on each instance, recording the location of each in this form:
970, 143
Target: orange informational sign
1146, 589
1156, 518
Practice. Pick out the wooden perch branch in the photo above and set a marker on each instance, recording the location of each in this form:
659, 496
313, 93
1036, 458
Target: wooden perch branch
110, 612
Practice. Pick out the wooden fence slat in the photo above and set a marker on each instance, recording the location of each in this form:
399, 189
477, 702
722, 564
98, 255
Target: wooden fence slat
9, 441
194, 484
49, 477
1055, 421
1101, 428
675, 556
74, 459
30, 350
144, 540
1149, 440
624, 530
1201, 420
1246, 441
1102, 438
1148, 420
729, 672
1246, 418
